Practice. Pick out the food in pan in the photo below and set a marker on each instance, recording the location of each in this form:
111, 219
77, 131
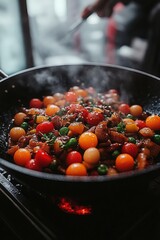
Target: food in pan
84, 133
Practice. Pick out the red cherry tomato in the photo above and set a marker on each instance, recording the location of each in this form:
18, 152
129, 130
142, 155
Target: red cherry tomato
44, 127
73, 157
140, 123
35, 103
78, 109
131, 149
33, 165
71, 97
43, 158
124, 108
94, 118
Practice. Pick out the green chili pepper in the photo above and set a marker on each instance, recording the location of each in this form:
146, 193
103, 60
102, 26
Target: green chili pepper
71, 143
120, 127
63, 131
131, 140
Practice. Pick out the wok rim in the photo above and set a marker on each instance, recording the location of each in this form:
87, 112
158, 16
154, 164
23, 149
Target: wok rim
63, 178
79, 179
91, 64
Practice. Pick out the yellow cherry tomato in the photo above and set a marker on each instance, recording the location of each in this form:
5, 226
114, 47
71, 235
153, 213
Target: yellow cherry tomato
153, 122
16, 132
91, 156
22, 156
131, 128
87, 140
76, 169
40, 119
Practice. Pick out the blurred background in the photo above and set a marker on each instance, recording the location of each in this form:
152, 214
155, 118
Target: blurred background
34, 33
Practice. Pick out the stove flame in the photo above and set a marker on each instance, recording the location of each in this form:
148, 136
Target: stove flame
71, 206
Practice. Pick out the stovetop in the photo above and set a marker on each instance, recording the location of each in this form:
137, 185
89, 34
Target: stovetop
26, 214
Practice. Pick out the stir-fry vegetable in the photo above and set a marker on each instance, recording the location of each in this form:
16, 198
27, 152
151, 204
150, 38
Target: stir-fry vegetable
84, 133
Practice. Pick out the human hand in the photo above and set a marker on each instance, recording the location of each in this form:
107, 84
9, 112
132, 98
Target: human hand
103, 8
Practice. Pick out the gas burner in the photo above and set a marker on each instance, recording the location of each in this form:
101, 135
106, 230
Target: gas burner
64, 218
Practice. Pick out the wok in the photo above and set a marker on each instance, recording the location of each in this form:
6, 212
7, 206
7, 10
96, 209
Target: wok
135, 87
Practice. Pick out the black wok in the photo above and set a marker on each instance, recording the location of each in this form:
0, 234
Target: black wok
134, 86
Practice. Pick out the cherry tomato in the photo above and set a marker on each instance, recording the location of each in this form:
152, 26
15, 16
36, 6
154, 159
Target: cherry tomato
140, 123
35, 103
33, 165
19, 118
91, 156
136, 110
16, 132
124, 162
51, 109
43, 158
76, 169
73, 157
124, 108
22, 156
48, 100
75, 107
94, 118
71, 97
76, 127
87, 140
44, 127
153, 122
131, 149
81, 93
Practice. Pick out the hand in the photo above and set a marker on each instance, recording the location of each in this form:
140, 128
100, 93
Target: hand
103, 8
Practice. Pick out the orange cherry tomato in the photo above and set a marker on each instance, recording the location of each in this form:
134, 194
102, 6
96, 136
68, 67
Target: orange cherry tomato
19, 118
22, 156
87, 140
76, 127
16, 132
153, 122
81, 93
76, 169
136, 110
48, 100
124, 162
52, 109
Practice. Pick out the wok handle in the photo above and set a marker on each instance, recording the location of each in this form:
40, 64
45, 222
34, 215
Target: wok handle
2, 75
